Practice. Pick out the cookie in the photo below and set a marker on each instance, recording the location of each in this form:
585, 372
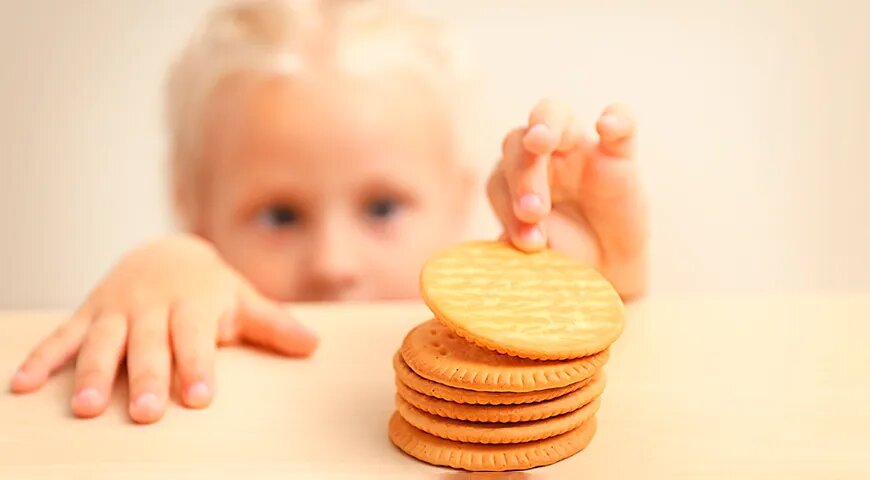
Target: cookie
488, 458
434, 352
504, 413
459, 395
473, 432
541, 305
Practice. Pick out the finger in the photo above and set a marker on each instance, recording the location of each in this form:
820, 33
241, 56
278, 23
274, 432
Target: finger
266, 324
53, 353
97, 364
573, 138
524, 236
566, 167
194, 339
527, 179
149, 365
616, 129
548, 124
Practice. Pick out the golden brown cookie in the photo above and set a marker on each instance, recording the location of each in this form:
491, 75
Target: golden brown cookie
504, 413
541, 305
432, 351
488, 458
460, 395
474, 432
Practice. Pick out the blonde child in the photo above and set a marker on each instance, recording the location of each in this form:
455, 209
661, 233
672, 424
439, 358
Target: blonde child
317, 155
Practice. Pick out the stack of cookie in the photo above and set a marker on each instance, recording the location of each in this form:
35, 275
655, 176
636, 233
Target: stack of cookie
509, 373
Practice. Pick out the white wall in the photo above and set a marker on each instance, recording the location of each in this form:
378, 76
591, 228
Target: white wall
754, 116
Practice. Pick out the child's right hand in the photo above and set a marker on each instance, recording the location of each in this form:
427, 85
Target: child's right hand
168, 303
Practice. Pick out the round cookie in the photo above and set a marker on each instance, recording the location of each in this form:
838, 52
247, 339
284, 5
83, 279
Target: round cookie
488, 458
432, 351
541, 305
504, 413
473, 432
459, 395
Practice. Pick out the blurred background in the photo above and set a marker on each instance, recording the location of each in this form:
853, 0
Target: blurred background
754, 120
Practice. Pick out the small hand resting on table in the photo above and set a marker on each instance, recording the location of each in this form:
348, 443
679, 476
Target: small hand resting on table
166, 305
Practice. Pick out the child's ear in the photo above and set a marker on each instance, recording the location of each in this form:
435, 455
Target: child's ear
466, 188
188, 210
470, 179
181, 207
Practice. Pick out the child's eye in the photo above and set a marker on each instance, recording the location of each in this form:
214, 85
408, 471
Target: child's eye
382, 209
279, 217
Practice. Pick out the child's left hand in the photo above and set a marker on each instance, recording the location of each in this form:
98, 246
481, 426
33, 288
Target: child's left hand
555, 185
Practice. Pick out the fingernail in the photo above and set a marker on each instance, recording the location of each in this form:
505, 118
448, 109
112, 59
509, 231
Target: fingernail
20, 376
609, 120
538, 129
306, 341
534, 236
147, 401
20, 382
531, 202
300, 330
198, 392
88, 397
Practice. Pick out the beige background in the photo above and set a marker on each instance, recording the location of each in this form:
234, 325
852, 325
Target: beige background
753, 117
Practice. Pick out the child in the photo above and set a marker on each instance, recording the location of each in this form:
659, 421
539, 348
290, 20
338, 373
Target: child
317, 155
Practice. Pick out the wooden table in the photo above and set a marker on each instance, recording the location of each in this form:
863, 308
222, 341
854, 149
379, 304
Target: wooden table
699, 387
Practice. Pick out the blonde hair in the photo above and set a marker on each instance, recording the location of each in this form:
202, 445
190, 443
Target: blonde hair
287, 37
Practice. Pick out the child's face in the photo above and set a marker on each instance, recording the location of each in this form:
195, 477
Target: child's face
330, 188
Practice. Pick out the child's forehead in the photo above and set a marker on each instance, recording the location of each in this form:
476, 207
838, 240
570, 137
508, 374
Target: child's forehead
335, 119
393, 102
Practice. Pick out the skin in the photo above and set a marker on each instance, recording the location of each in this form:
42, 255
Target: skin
330, 188
332, 233
557, 186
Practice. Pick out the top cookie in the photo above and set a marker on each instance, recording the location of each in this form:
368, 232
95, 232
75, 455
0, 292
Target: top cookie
543, 306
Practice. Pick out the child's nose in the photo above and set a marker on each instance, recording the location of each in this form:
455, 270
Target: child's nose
335, 263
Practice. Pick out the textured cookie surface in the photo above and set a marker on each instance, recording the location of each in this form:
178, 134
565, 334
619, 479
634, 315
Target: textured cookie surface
542, 305
504, 413
488, 458
475, 432
460, 395
434, 352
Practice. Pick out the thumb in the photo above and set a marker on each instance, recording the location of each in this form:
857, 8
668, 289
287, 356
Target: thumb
268, 325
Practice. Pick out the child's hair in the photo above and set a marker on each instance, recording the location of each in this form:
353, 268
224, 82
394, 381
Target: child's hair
285, 37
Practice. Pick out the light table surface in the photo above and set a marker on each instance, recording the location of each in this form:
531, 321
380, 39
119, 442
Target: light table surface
730, 386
